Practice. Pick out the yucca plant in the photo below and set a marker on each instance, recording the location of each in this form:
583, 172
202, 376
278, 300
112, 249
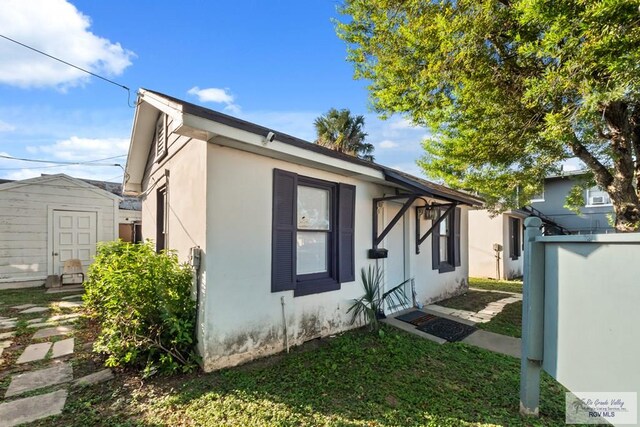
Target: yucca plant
370, 306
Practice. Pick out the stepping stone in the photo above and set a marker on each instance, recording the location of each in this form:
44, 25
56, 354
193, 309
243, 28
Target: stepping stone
58, 374
9, 325
73, 296
36, 320
62, 348
5, 344
5, 335
50, 324
32, 408
51, 332
35, 310
98, 377
34, 352
69, 304
64, 317
23, 306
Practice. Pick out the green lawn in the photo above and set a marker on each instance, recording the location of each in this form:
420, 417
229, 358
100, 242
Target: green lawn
496, 285
355, 379
472, 300
507, 322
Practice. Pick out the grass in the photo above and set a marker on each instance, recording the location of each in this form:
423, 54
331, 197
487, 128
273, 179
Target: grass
472, 300
496, 285
355, 379
507, 322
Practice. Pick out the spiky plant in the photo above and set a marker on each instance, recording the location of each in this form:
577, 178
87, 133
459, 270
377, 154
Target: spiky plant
370, 306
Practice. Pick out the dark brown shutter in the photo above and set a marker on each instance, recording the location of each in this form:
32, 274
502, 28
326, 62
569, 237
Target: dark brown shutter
456, 237
161, 137
435, 247
346, 233
283, 245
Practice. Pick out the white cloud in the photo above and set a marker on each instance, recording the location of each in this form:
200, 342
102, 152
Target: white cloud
73, 149
59, 29
6, 127
401, 123
217, 96
77, 149
387, 143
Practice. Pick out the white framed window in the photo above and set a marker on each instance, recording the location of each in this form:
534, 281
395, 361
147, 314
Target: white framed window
597, 197
444, 236
314, 228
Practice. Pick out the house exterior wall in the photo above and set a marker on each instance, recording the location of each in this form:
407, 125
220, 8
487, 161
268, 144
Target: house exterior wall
186, 202
25, 225
242, 318
484, 231
511, 268
592, 219
128, 216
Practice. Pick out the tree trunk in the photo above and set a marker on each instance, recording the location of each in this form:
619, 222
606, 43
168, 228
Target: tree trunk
623, 193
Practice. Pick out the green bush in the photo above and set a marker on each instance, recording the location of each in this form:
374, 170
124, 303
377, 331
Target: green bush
143, 302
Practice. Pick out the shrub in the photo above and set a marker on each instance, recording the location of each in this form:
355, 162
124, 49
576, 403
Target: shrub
143, 302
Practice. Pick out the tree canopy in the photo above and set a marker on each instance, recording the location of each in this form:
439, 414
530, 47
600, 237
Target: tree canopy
343, 132
510, 89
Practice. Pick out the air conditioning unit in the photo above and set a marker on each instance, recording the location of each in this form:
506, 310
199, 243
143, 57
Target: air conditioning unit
598, 200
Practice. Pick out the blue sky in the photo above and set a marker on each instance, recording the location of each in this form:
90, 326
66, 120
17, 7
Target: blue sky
276, 63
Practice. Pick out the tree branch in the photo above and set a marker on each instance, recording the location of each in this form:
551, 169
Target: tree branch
602, 174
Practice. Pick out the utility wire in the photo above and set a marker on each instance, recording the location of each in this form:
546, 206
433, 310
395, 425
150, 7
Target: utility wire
74, 66
53, 162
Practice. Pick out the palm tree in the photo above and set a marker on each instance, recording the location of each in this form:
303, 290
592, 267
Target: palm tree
340, 131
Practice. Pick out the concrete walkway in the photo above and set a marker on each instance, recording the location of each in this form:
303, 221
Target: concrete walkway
491, 341
56, 352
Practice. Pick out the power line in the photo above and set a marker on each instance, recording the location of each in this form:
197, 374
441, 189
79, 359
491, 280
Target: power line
72, 65
53, 162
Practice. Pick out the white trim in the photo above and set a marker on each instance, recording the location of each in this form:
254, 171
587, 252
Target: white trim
22, 279
73, 208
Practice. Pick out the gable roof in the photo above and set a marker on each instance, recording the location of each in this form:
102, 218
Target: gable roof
181, 110
47, 178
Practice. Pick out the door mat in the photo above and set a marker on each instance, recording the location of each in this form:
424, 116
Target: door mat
447, 329
416, 317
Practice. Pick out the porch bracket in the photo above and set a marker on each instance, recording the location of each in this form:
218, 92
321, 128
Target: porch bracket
420, 239
378, 238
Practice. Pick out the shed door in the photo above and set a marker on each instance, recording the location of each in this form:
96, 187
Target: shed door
74, 236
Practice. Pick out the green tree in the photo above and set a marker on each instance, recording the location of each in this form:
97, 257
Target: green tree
510, 89
340, 131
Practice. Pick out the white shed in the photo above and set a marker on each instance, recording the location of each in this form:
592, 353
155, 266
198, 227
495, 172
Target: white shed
47, 220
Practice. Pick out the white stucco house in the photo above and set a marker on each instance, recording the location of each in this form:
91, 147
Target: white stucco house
283, 226
493, 234
51, 218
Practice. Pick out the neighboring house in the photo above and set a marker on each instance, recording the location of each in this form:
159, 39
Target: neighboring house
49, 219
279, 228
492, 235
594, 215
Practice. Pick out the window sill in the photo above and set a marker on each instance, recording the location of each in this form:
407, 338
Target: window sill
310, 287
606, 205
446, 268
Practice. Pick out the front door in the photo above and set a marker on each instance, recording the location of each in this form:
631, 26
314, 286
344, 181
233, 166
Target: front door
74, 237
394, 264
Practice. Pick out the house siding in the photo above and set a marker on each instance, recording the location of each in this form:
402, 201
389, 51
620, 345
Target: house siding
590, 220
25, 228
244, 319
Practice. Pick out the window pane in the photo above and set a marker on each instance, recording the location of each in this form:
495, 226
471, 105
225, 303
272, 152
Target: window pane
444, 227
313, 208
444, 249
311, 252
